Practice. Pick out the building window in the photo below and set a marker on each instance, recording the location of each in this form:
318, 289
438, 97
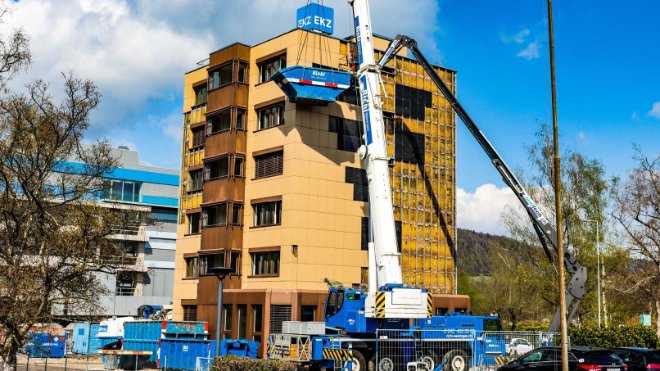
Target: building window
237, 214
191, 267
238, 166
200, 94
240, 119
193, 223
241, 313
269, 164
190, 313
364, 277
268, 67
271, 116
216, 169
198, 137
216, 215
207, 262
235, 263
121, 190
267, 213
348, 133
242, 72
218, 122
257, 322
364, 235
265, 263
308, 313
221, 76
227, 318
195, 180
125, 284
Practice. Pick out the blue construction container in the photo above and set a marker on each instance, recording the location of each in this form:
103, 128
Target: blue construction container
143, 330
311, 84
46, 344
186, 329
143, 345
81, 337
241, 348
182, 354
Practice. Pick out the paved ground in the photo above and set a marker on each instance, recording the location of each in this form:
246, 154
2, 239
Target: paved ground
76, 363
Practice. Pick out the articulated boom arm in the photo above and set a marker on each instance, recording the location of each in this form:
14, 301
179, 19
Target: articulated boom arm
543, 228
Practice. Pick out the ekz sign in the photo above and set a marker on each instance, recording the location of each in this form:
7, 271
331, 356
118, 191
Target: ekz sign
316, 17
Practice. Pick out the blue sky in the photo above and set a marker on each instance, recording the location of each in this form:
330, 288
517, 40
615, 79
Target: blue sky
608, 78
608, 70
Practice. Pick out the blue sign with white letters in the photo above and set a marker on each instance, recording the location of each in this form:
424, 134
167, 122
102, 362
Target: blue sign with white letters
314, 16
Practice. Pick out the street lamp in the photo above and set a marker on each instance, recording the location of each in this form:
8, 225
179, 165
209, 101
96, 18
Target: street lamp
221, 273
597, 265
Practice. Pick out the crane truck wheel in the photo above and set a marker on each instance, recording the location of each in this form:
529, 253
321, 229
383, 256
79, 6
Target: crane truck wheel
456, 360
359, 362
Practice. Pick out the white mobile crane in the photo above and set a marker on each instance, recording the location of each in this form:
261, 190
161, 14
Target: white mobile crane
544, 229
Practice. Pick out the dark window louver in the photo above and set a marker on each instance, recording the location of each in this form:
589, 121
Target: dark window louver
198, 137
279, 314
190, 313
269, 164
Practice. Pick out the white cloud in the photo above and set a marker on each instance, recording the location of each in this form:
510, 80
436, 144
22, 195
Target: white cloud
518, 38
634, 116
655, 110
482, 210
531, 51
138, 51
582, 135
171, 127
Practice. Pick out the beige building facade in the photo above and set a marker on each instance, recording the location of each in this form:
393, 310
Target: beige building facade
275, 189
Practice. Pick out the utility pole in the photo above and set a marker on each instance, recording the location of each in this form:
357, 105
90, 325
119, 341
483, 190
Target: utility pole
557, 180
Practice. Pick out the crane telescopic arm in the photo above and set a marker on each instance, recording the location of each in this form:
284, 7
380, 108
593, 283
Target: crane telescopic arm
542, 226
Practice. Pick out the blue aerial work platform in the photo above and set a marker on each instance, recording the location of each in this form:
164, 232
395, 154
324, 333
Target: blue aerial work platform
312, 84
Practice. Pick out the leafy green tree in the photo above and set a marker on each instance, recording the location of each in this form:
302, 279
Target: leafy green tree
585, 197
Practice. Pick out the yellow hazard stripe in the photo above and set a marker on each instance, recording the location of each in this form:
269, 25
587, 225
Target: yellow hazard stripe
338, 354
380, 304
429, 305
502, 360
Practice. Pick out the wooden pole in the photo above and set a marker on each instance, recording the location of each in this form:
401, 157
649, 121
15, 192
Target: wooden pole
557, 180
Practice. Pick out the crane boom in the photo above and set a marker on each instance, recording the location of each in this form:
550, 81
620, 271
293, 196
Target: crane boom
387, 297
542, 226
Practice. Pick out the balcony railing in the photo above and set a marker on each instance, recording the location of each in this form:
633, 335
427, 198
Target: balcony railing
194, 158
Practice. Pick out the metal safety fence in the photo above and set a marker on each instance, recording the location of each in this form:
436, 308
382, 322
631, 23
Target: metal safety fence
203, 364
454, 350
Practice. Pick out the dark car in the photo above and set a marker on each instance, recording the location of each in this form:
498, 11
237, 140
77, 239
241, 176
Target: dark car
639, 359
579, 359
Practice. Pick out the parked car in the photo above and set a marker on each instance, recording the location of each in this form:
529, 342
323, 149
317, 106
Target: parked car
518, 347
639, 359
579, 359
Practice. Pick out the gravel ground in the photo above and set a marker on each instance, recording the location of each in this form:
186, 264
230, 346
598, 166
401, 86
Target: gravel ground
71, 363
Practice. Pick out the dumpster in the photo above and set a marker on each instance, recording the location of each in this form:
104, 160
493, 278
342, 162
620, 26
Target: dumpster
312, 84
240, 347
143, 336
182, 354
46, 344
187, 329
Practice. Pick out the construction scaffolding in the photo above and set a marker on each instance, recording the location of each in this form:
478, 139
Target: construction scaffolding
421, 133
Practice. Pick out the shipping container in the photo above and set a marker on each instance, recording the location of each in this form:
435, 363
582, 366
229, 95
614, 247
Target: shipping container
85, 339
182, 354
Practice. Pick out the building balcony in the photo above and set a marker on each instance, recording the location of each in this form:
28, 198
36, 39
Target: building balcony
194, 157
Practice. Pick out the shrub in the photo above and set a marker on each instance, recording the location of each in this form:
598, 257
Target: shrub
610, 337
234, 363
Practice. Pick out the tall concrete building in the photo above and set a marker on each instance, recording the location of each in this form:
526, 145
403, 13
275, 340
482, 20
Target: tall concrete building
146, 270
275, 189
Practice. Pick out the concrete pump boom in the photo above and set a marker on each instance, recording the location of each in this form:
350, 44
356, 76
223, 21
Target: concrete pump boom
543, 228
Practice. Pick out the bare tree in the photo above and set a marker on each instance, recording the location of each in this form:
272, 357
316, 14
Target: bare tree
14, 52
55, 237
638, 213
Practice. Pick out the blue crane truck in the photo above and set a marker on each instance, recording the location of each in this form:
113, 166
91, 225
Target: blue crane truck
347, 339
